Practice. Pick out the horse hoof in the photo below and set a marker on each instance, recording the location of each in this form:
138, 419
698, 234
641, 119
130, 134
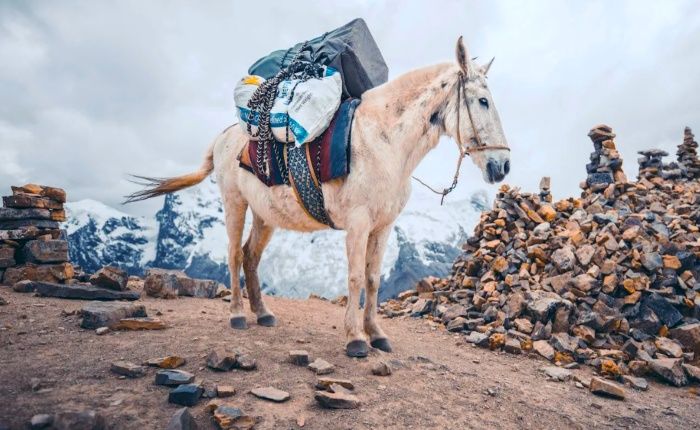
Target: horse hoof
357, 348
267, 320
382, 343
239, 323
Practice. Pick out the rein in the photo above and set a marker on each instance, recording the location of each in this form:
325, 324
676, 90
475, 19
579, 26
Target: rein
462, 150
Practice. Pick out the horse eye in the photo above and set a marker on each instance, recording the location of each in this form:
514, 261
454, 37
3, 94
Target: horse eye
484, 102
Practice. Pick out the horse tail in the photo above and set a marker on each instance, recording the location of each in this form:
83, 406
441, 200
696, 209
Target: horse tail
159, 186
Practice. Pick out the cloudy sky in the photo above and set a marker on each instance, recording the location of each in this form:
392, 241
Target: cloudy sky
91, 91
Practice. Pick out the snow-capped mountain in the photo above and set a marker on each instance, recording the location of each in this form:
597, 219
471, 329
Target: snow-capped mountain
188, 233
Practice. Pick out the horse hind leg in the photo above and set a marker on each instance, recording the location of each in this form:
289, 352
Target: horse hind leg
235, 221
260, 235
356, 242
375, 252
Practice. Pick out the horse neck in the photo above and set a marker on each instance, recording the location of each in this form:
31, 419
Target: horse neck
406, 105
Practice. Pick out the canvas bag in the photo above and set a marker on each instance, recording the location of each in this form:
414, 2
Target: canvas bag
350, 49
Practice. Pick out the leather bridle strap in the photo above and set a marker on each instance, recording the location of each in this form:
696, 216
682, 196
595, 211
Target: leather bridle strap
462, 149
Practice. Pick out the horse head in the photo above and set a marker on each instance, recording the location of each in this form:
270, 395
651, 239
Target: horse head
476, 126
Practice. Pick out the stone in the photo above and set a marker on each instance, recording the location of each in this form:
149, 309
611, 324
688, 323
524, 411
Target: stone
601, 387
182, 420
557, 373
52, 193
667, 313
688, 335
245, 362
669, 347
168, 284
337, 400
141, 323
564, 259
325, 383
45, 251
542, 306
270, 393
221, 360
167, 362
225, 391
421, 307
669, 369
299, 357
51, 273
563, 342
73, 291
28, 213
18, 224
84, 420
111, 278
671, 262
478, 339
496, 341
523, 325
381, 368
321, 367
130, 370
108, 314
229, 417
100, 331
584, 254
512, 346
543, 348
186, 394
457, 324
636, 382
41, 421
173, 377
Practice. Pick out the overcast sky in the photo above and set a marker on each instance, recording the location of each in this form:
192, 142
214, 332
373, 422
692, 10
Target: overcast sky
91, 91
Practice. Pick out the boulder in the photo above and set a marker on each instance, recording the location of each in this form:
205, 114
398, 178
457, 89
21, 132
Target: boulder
110, 277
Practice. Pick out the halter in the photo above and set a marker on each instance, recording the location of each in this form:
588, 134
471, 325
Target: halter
462, 149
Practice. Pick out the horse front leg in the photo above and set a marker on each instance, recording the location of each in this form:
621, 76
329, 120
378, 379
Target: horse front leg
235, 219
375, 252
356, 244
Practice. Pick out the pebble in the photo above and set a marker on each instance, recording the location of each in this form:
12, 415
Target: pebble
323, 383
299, 357
225, 391
125, 368
337, 400
231, 417
556, 373
221, 360
186, 394
270, 393
182, 420
101, 331
381, 368
167, 362
605, 388
41, 421
173, 377
321, 367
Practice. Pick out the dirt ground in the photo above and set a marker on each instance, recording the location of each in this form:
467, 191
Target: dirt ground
439, 382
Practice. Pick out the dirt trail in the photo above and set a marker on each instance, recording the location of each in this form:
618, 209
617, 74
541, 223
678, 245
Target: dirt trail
442, 382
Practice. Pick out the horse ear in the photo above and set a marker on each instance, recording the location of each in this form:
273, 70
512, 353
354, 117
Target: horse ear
485, 68
462, 58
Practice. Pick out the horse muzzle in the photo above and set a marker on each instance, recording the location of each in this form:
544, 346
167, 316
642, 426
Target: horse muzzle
496, 170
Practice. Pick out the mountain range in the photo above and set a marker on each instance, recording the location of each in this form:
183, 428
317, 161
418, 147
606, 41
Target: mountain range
188, 233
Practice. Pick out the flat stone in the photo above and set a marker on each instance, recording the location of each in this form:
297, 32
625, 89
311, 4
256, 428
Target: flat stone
689, 336
167, 362
41, 421
130, 370
221, 360
20, 201
636, 382
337, 400
523, 325
270, 393
85, 420
543, 348
108, 314
73, 291
693, 372
52, 193
512, 346
53, 273
299, 357
324, 383
231, 417
381, 368
45, 251
28, 213
605, 388
225, 391
669, 369
478, 339
556, 373
173, 377
111, 278
143, 323
182, 420
186, 394
321, 367
22, 223
563, 342
669, 347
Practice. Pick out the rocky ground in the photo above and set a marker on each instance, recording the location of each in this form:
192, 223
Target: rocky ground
51, 365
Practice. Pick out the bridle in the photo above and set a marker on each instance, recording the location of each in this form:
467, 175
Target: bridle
463, 150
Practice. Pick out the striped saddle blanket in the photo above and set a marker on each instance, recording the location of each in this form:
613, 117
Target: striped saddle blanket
305, 168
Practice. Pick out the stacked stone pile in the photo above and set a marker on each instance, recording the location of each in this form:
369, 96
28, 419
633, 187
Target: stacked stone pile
610, 280
688, 155
651, 163
605, 168
32, 245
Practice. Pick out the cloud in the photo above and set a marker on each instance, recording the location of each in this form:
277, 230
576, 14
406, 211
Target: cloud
92, 91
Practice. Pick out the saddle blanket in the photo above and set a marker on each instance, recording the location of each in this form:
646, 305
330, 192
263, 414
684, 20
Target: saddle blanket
327, 157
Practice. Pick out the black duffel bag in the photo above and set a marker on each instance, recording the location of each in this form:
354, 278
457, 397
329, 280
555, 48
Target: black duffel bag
350, 49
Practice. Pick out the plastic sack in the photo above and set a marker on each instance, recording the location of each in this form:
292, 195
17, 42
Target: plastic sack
310, 105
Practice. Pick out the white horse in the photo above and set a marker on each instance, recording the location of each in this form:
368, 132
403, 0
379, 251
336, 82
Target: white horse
394, 127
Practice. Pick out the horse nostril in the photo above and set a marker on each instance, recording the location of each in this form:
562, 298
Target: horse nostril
506, 167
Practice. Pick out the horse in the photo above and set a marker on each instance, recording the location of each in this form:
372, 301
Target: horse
395, 126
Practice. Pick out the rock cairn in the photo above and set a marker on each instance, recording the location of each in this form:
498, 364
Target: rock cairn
605, 168
688, 155
545, 195
610, 281
32, 245
651, 163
